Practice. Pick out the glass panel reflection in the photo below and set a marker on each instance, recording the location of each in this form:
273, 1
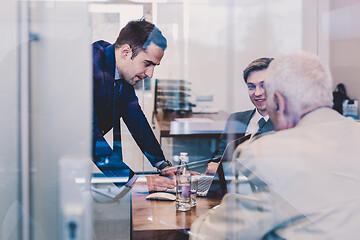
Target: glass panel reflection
209, 45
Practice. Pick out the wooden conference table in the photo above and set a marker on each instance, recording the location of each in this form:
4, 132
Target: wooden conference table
159, 219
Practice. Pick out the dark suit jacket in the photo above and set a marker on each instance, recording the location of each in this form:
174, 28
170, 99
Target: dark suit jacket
235, 128
108, 161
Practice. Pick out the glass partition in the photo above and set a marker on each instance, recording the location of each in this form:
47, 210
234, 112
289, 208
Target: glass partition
60, 119
10, 187
53, 188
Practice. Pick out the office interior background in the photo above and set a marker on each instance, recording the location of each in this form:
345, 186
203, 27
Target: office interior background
46, 87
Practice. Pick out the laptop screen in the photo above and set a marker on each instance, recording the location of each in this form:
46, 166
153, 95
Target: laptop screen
218, 187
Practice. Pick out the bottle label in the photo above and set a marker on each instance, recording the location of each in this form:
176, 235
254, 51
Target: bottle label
185, 191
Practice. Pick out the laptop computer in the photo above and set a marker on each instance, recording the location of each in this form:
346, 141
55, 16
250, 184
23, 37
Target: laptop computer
215, 185
204, 183
219, 187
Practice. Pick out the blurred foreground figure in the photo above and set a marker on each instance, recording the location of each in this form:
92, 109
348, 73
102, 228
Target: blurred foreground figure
305, 175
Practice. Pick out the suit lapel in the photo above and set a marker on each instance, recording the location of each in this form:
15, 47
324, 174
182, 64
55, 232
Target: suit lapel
115, 97
245, 118
110, 70
237, 128
249, 116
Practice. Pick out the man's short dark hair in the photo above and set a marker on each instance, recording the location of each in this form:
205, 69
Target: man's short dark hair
135, 33
256, 65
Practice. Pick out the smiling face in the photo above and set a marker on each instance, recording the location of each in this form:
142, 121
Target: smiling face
255, 84
141, 66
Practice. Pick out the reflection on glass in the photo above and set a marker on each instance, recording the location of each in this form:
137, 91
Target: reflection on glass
210, 43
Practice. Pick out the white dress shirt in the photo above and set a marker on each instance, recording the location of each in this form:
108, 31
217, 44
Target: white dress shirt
253, 126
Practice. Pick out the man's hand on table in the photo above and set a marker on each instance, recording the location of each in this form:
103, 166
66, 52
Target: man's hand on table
169, 172
159, 183
212, 168
163, 182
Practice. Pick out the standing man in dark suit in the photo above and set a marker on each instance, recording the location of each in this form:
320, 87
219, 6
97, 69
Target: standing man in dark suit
251, 122
117, 68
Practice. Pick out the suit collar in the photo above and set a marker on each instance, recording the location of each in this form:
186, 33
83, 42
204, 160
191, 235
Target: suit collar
269, 126
244, 118
110, 70
110, 59
249, 116
319, 115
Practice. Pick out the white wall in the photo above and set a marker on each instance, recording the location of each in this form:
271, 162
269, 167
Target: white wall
344, 44
216, 40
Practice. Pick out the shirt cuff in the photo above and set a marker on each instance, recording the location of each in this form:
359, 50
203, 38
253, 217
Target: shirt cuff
162, 164
131, 181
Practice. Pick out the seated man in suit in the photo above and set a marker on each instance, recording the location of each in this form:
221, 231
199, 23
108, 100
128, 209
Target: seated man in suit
117, 68
251, 122
307, 172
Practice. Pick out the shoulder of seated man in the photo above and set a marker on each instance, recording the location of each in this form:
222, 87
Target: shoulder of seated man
257, 136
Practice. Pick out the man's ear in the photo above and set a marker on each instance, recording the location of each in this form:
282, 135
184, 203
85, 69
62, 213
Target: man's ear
283, 118
280, 103
125, 51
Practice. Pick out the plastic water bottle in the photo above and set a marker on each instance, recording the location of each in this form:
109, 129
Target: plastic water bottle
183, 184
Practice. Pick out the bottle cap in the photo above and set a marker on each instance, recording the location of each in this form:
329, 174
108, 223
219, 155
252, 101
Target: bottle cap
184, 157
183, 154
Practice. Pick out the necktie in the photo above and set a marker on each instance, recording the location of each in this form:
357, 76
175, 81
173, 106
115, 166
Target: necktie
116, 118
261, 123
